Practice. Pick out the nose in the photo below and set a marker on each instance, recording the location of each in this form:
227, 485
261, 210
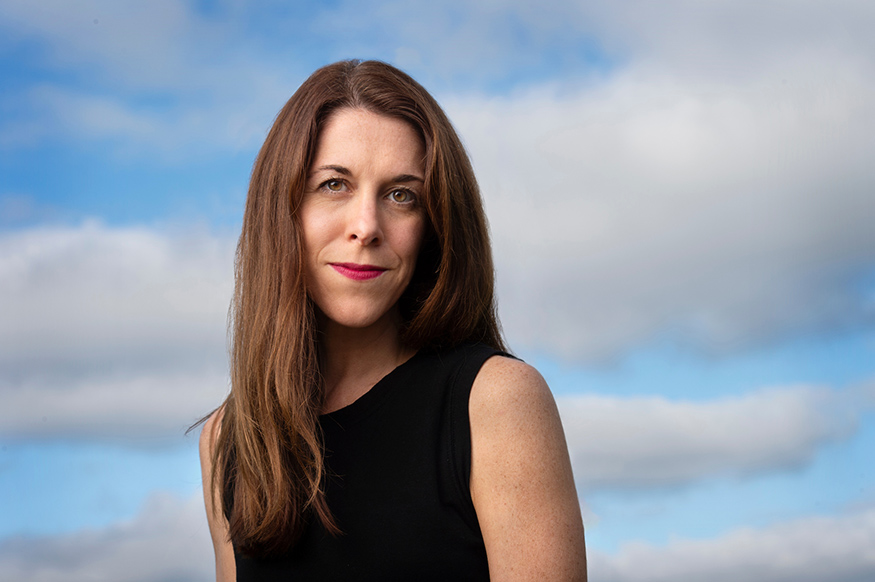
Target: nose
364, 225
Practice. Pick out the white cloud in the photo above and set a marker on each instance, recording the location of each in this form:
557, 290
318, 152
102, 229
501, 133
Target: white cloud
111, 331
160, 78
176, 132
646, 442
93, 292
503, 40
713, 185
729, 39
136, 408
719, 206
814, 549
651, 205
710, 184
154, 47
168, 540
119, 333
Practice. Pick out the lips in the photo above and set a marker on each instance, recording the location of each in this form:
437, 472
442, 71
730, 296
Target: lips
358, 272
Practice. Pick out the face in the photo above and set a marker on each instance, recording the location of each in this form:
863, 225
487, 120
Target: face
362, 216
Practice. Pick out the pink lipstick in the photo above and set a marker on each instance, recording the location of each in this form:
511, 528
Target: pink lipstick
358, 272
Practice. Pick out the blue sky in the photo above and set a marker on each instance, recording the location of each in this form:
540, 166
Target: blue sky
680, 198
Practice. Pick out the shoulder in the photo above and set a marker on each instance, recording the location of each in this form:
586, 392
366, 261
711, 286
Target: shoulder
207, 443
521, 481
209, 434
224, 552
513, 414
506, 386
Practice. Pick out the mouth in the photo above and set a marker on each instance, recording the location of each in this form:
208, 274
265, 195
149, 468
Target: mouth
358, 272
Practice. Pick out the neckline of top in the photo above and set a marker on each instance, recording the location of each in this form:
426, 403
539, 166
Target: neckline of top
371, 398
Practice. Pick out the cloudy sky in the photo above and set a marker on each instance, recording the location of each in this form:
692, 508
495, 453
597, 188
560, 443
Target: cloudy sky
681, 198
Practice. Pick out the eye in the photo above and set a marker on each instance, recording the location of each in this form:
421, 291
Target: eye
402, 196
333, 185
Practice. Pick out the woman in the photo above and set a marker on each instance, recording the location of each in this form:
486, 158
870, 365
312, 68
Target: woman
375, 428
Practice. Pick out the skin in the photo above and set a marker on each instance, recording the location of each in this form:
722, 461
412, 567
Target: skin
521, 481
226, 570
362, 206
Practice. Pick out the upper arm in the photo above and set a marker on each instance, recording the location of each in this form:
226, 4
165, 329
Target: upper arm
225, 566
521, 481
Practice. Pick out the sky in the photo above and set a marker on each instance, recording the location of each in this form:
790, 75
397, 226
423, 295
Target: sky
681, 200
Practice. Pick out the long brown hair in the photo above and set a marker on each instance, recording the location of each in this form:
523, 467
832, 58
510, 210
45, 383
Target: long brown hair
268, 456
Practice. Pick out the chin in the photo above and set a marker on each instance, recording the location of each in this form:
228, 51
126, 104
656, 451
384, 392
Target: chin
360, 317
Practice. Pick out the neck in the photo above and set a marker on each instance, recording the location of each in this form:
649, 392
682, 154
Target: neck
354, 359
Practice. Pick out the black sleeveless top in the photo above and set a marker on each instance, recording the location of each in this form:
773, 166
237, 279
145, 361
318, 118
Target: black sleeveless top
399, 460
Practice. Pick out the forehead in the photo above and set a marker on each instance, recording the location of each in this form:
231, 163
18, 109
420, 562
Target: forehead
360, 138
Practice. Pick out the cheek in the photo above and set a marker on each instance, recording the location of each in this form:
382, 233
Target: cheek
315, 230
413, 238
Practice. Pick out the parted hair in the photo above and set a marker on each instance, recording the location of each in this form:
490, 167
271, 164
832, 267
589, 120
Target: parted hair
268, 460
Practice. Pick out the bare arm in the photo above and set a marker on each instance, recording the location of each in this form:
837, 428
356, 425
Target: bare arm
521, 481
226, 570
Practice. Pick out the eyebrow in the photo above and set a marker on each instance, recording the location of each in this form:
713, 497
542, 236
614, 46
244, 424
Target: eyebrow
345, 171
338, 169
